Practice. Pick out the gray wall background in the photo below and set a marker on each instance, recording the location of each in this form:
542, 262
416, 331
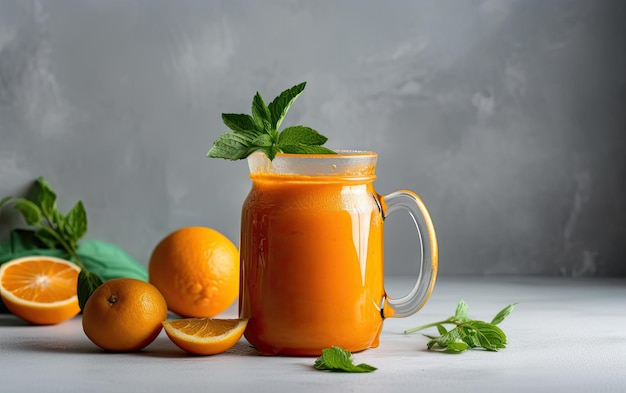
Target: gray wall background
507, 117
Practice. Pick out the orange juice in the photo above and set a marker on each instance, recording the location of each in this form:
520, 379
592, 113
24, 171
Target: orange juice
312, 257
314, 254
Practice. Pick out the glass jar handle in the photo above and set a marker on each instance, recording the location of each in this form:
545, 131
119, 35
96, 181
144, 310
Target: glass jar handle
428, 260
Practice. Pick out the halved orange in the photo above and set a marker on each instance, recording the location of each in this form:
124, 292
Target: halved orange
40, 289
205, 336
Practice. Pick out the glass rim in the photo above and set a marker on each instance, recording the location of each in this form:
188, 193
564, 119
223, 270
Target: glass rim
340, 153
346, 164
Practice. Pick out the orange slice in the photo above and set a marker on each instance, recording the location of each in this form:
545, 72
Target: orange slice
205, 336
40, 289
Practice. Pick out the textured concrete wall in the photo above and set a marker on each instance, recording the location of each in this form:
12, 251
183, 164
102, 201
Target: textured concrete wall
507, 117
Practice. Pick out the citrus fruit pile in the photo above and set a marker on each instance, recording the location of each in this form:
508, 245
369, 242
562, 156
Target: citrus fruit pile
193, 272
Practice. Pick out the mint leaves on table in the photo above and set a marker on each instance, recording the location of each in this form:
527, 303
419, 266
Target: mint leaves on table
57, 230
467, 333
259, 131
338, 359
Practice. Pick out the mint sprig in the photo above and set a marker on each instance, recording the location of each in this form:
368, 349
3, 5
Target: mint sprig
57, 230
467, 333
338, 359
259, 131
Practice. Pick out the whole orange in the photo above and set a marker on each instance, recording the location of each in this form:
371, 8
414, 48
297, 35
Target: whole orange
124, 314
197, 271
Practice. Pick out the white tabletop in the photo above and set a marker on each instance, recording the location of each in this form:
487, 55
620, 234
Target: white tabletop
566, 335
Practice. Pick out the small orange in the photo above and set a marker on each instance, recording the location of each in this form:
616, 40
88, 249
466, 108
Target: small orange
40, 289
197, 271
124, 314
205, 336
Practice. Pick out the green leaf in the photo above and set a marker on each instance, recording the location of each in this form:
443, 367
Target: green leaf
76, 222
5, 200
44, 197
280, 105
47, 238
270, 131
457, 347
22, 241
445, 339
58, 220
263, 140
338, 359
300, 135
29, 210
109, 261
468, 333
432, 343
305, 149
469, 337
503, 314
231, 146
87, 284
260, 112
488, 335
460, 315
241, 123
249, 131
270, 151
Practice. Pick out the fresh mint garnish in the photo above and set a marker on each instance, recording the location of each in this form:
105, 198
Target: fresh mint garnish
338, 359
57, 230
259, 131
467, 333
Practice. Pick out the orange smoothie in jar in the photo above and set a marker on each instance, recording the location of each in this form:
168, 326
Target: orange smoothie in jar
311, 263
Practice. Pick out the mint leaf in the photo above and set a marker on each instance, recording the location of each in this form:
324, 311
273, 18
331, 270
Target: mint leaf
503, 314
47, 238
457, 347
467, 333
231, 146
57, 220
260, 112
270, 151
263, 140
273, 134
338, 359
75, 222
260, 131
445, 339
300, 135
44, 197
29, 210
468, 336
460, 315
241, 123
487, 335
280, 105
305, 149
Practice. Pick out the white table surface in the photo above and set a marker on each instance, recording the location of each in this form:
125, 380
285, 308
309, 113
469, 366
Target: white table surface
566, 335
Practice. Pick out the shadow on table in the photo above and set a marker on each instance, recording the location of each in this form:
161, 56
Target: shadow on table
162, 347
